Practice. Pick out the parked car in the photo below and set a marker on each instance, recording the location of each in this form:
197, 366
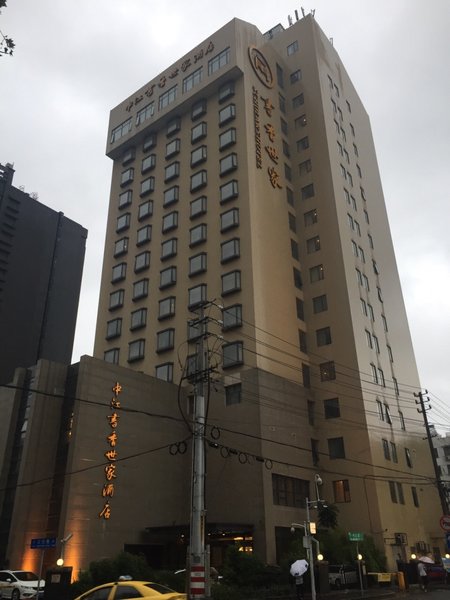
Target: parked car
19, 585
125, 590
436, 573
342, 575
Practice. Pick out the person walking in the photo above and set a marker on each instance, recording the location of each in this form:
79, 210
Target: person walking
299, 587
423, 576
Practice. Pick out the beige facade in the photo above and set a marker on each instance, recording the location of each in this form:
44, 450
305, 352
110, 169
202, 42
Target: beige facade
245, 174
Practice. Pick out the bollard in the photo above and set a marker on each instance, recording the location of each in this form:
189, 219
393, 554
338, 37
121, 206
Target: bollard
401, 581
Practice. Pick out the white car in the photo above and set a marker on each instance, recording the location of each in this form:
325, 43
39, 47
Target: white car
19, 585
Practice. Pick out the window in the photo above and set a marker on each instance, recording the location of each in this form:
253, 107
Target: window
136, 350
306, 375
121, 130
233, 394
198, 180
401, 498
316, 273
173, 126
167, 277
127, 176
286, 150
227, 164
171, 171
149, 142
140, 289
289, 491
198, 207
171, 195
145, 210
112, 356
289, 196
227, 138
227, 114
232, 316
198, 109
295, 76
121, 246
165, 340
166, 308
327, 371
198, 156
292, 48
305, 167
310, 217
294, 250
197, 234
147, 186
196, 328
341, 489
300, 122
229, 250
138, 319
298, 282
192, 80
381, 377
172, 147
393, 452
307, 191
164, 372
231, 282
313, 244
170, 221
197, 295
229, 219
384, 320
408, 458
415, 496
320, 304
302, 341
292, 222
331, 408
118, 272
226, 91
167, 98
197, 264
148, 163
282, 103
198, 132
144, 234
219, 61
168, 248
128, 156
228, 191
116, 299
300, 309
145, 113
386, 452
125, 198
284, 126
113, 328
280, 77
323, 336
232, 354
302, 144
142, 261
402, 421
336, 448
298, 101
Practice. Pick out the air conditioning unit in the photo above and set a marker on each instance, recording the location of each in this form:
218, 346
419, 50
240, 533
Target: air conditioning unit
401, 539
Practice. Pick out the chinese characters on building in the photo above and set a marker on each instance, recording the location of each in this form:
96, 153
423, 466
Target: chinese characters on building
266, 139
111, 452
185, 65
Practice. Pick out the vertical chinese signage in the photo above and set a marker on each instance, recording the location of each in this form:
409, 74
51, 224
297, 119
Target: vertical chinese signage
264, 136
111, 453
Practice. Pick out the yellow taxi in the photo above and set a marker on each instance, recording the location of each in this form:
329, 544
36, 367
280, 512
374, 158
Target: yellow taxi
127, 590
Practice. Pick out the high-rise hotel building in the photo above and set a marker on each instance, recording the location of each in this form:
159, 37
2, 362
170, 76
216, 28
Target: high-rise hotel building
245, 174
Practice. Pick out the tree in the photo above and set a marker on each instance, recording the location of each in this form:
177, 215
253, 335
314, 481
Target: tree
328, 516
7, 44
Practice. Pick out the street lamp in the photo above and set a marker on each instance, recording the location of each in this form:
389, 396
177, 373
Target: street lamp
64, 541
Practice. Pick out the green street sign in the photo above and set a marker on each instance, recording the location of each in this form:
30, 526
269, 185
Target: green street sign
355, 536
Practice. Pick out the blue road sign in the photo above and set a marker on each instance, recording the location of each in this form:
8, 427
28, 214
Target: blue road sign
43, 543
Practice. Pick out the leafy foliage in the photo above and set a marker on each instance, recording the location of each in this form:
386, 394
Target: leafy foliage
337, 549
7, 44
328, 516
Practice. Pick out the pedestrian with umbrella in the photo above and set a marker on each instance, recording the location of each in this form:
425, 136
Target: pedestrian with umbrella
422, 570
298, 569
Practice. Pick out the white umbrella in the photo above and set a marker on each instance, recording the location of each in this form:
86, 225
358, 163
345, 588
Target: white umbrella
299, 567
426, 559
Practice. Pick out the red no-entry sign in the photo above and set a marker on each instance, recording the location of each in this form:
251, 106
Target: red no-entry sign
445, 522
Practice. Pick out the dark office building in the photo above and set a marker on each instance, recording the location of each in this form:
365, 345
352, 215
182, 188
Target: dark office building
41, 264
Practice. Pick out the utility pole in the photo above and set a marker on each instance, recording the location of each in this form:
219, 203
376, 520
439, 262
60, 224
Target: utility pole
197, 559
423, 409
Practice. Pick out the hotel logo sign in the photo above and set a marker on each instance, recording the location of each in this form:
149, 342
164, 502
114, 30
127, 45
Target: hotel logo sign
260, 66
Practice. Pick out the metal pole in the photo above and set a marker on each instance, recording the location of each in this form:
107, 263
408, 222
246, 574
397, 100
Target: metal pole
40, 574
197, 541
310, 551
359, 569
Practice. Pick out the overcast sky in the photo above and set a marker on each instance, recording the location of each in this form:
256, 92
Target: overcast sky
75, 61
